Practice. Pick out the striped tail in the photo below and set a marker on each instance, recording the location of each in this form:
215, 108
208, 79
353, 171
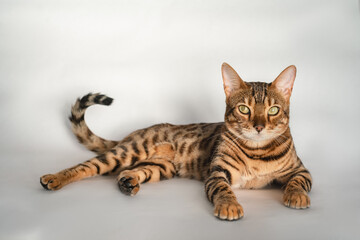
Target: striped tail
82, 131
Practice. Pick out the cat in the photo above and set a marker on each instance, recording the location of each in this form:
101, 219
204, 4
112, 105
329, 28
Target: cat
252, 148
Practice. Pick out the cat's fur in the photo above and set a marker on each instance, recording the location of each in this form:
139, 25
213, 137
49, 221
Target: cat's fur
248, 150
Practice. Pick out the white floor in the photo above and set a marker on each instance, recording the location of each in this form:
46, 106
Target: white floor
173, 209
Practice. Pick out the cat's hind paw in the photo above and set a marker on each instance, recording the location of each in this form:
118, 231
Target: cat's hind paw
296, 199
51, 182
228, 211
128, 185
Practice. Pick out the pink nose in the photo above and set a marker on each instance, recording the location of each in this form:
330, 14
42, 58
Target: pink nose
259, 128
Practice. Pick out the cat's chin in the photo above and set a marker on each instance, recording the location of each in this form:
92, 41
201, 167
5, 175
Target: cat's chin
257, 137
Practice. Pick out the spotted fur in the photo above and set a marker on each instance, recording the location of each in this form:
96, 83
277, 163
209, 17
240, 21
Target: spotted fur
247, 150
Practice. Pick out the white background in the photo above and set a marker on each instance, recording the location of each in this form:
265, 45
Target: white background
161, 61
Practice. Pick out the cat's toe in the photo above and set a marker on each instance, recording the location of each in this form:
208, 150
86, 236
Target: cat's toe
296, 199
228, 211
128, 185
50, 182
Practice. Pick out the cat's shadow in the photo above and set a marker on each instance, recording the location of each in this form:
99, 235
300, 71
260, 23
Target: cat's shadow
273, 192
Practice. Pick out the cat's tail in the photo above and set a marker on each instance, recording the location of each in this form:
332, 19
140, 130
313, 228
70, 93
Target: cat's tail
82, 131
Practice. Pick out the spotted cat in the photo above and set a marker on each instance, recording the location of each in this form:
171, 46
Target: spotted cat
252, 148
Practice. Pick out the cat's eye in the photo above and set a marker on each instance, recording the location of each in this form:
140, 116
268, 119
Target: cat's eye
273, 111
244, 109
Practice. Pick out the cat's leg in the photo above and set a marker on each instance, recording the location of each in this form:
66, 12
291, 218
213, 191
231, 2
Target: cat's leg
157, 167
108, 162
298, 183
219, 192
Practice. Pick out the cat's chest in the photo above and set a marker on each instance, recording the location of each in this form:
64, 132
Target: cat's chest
257, 175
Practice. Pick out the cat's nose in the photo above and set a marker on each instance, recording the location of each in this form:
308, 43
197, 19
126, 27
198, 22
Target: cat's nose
259, 128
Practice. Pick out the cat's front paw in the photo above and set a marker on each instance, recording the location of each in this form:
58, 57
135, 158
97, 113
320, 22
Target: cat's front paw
128, 185
228, 211
296, 199
51, 182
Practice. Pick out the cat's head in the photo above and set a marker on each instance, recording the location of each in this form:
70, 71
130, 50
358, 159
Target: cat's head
257, 111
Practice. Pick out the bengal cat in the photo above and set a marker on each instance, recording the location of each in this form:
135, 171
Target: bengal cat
251, 149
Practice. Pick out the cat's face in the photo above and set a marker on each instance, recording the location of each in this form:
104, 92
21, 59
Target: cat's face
257, 111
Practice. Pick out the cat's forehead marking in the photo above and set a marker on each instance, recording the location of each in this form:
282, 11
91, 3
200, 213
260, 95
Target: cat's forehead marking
272, 101
259, 91
247, 102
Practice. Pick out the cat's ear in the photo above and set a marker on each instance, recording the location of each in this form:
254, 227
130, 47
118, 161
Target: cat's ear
231, 79
285, 81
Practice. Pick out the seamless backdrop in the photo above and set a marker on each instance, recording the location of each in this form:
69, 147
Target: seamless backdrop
161, 61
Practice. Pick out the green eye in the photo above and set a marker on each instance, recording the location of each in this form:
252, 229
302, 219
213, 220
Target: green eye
273, 111
244, 109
